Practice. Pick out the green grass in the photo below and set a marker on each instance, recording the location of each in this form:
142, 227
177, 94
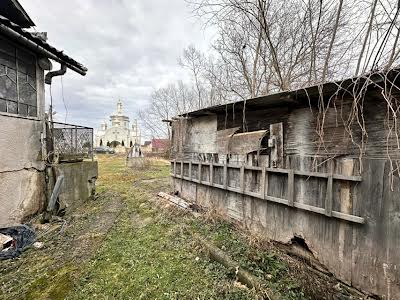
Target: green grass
148, 252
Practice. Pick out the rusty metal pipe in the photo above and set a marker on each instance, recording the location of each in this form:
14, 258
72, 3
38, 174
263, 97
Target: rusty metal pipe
52, 74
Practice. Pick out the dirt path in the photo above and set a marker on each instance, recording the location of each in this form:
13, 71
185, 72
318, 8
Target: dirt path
50, 272
129, 244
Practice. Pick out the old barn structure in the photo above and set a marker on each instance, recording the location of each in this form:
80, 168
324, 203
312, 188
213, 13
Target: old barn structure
317, 164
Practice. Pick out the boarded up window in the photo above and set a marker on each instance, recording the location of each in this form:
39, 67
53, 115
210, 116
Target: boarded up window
17, 80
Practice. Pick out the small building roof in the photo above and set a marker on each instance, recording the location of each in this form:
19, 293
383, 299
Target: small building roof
13, 10
308, 95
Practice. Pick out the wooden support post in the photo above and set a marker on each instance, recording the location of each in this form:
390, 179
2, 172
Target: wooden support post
190, 170
328, 197
262, 182
199, 172
225, 175
174, 167
211, 173
181, 168
242, 178
55, 194
290, 191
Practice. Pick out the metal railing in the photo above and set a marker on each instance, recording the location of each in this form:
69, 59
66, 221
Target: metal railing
72, 142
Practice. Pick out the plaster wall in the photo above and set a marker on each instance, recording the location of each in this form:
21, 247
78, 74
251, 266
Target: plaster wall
22, 177
79, 183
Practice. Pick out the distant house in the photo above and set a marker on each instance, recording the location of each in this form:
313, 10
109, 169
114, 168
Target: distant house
159, 145
33, 147
146, 147
155, 147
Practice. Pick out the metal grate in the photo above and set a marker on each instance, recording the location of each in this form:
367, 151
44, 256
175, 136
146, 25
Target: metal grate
72, 142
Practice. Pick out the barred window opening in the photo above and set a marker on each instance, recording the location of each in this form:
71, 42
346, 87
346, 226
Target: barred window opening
18, 94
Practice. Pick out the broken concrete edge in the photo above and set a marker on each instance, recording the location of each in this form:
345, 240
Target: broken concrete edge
291, 248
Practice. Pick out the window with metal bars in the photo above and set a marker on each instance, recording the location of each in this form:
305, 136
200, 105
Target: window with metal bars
18, 94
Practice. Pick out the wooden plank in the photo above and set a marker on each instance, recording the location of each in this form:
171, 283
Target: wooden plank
200, 167
211, 174
234, 166
347, 217
175, 167
326, 175
190, 170
278, 170
290, 191
218, 164
348, 178
262, 182
181, 169
242, 178
276, 132
252, 194
329, 197
175, 200
233, 189
277, 200
302, 206
55, 193
311, 208
225, 176
253, 168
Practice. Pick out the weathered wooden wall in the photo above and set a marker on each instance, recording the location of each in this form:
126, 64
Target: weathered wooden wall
363, 255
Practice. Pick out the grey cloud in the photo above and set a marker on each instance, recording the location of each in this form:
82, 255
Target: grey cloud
129, 47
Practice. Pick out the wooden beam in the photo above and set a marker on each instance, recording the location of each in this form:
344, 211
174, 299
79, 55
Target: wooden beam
55, 193
262, 182
242, 178
329, 197
190, 170
290, 190
199, 171
225, 176
211, 173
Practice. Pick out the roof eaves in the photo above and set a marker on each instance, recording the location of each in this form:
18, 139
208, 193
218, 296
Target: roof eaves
59, 54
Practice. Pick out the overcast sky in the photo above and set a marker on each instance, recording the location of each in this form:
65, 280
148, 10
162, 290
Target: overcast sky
129, 46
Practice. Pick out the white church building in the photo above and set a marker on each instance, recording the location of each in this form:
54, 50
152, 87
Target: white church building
119, 133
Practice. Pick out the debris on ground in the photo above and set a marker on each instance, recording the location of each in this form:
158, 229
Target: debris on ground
6, 241
181, 203
22, 237
38, 245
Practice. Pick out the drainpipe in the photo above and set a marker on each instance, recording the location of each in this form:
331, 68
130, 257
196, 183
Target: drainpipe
52, 74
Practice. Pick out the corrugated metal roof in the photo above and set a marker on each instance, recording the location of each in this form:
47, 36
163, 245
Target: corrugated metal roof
39, 42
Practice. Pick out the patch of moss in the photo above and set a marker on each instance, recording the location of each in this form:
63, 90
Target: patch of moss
54, 285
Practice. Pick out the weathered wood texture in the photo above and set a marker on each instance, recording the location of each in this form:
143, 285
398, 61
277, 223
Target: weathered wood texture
280, 207
249, 179
302, 134
363, 255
